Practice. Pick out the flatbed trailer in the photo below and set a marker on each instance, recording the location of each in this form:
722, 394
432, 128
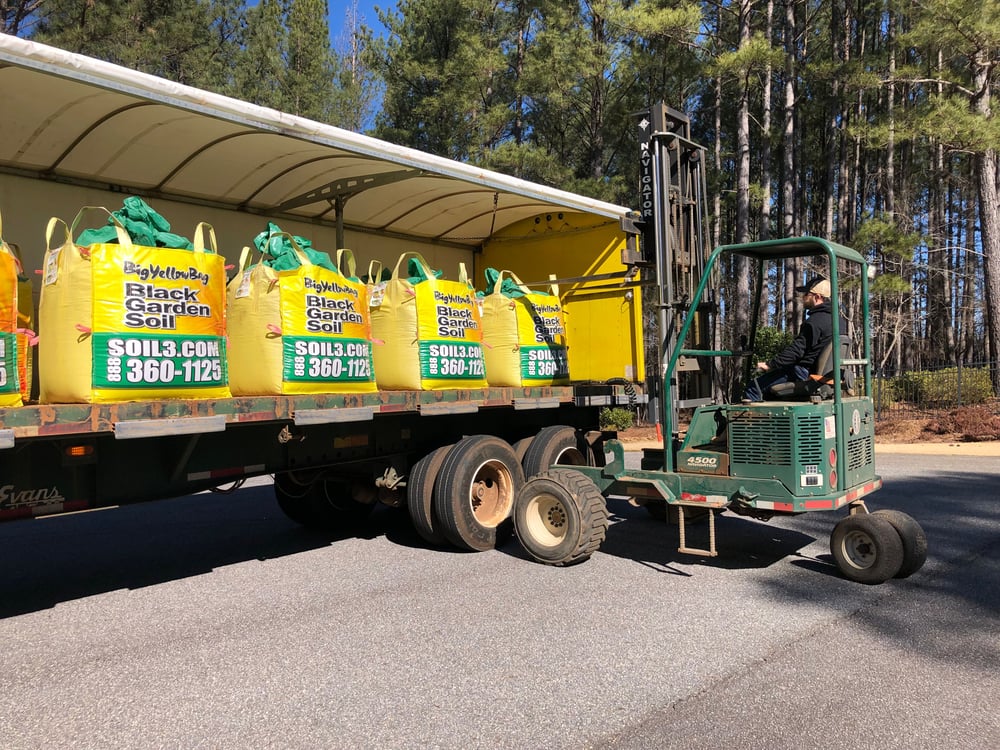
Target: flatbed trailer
71, 457
89, 133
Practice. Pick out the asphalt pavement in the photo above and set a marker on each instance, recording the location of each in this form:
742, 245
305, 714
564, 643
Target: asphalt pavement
212, 621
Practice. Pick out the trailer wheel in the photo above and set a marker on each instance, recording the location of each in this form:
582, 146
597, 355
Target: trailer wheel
293, 499
521, 447
913, 538
557, 444
334, 506
560, 517
474, 492
867, 548
323, 504
420, 495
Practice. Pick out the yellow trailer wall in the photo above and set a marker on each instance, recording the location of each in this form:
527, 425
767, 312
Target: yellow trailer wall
603, 317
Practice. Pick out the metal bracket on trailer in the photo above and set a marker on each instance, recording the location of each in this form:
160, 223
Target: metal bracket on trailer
146, 428
6, 439
536, 403
449, 407
326, 416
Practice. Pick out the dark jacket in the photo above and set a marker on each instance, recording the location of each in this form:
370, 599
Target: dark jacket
814, 334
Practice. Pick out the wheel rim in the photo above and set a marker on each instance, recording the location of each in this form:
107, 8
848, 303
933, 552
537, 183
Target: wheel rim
491, 493
290, 487
859, 550
547, 520
571, 457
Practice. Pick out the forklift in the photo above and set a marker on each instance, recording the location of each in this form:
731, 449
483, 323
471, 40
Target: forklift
809, 446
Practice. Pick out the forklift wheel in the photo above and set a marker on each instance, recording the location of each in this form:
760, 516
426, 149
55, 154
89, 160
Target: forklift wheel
913, 538
867, 548
560, 517
420, 495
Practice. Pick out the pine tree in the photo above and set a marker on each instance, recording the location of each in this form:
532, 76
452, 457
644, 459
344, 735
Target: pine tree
310, 63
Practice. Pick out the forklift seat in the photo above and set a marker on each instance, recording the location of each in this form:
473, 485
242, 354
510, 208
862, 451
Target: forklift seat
820, 382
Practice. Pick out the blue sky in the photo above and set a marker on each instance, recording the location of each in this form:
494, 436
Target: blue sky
365, 10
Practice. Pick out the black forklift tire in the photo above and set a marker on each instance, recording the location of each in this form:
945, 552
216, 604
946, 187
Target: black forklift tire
556, 444
474, 492
420, 495
913, 538
561, 517
867, 548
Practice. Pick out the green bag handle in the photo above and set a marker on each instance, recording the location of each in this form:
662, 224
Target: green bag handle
199, 239
410, 254
303, 258
348, 255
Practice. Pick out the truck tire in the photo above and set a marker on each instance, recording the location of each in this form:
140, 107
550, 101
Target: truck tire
913, 538
474, 492
334, 507
867, 548
323, 504
293, 499
561, 517
521, 447
420, 495
557, 444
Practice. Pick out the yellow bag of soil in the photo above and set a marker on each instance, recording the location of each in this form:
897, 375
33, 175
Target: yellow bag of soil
125, 322
524, 334
305, 330
10, 353
427, 331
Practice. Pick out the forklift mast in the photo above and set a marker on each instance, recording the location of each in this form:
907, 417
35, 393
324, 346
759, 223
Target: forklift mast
673, 220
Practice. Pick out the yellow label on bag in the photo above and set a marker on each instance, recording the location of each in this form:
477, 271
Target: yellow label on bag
158, 319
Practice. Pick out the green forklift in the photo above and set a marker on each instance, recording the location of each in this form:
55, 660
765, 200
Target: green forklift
809, 446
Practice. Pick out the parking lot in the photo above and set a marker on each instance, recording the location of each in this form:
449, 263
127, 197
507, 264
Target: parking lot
212, 621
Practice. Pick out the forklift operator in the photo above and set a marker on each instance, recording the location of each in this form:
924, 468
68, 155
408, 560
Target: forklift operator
795, 362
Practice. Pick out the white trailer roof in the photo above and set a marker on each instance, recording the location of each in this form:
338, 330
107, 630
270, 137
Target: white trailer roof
83, 121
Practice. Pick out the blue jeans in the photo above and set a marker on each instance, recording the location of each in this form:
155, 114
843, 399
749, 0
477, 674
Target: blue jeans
757, 386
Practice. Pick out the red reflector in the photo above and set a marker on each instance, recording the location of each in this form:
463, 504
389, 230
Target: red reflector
833, 457
833, 479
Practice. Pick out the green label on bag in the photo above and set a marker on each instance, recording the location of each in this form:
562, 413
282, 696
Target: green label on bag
158, 361
439, 359
308, 358
544, 363
8, 363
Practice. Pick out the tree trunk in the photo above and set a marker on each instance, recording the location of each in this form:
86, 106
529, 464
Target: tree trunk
988, 180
